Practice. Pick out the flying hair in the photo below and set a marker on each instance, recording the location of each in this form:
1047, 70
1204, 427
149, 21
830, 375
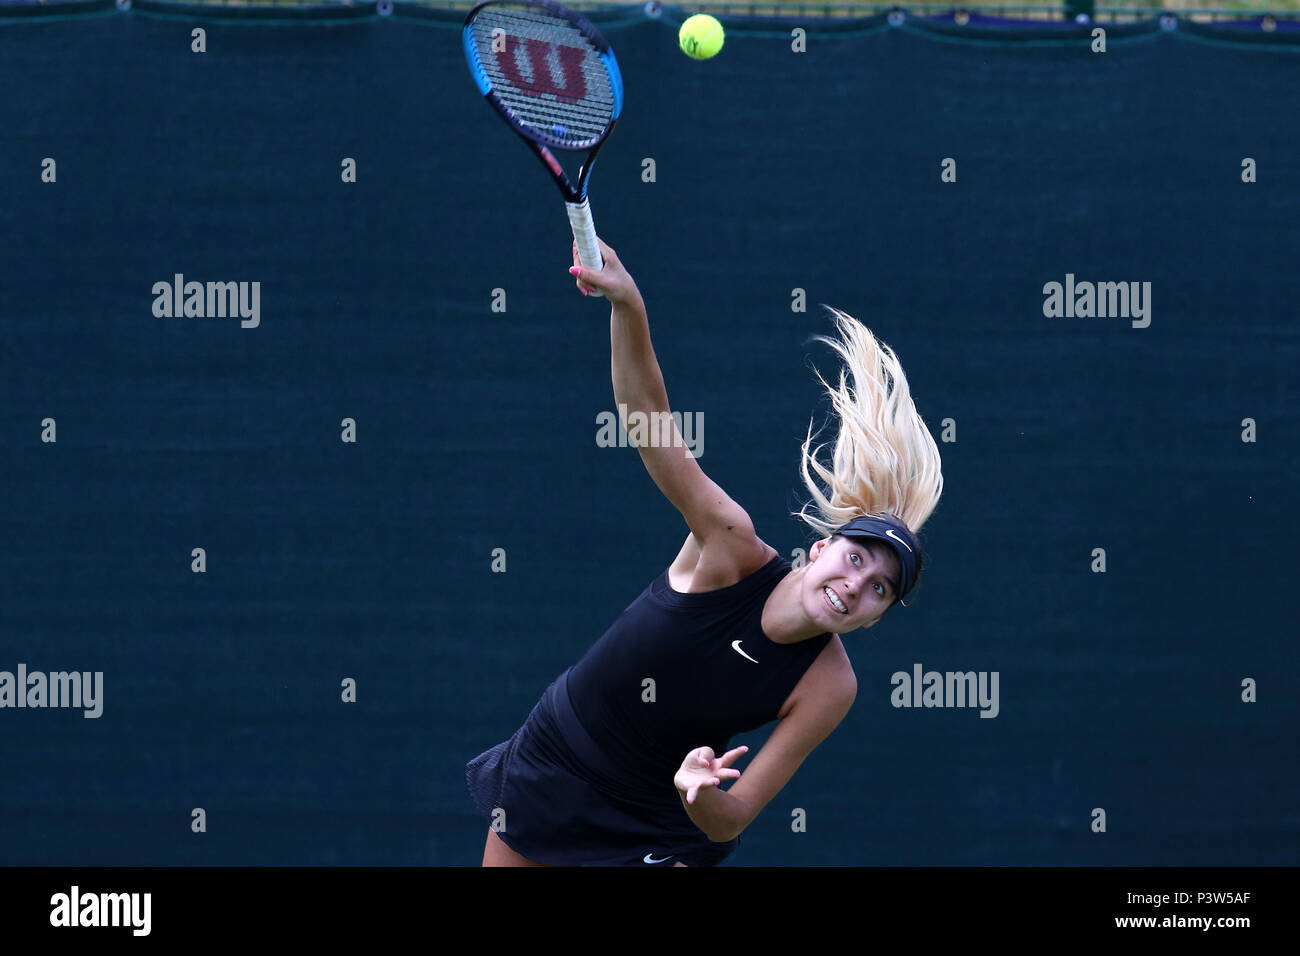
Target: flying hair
884, 461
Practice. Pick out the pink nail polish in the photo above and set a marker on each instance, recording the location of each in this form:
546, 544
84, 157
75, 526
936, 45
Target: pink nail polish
584, 291
575, 271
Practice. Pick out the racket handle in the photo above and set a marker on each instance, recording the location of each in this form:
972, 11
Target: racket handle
584, 234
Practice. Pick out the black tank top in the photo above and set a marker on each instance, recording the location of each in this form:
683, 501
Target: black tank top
716, 674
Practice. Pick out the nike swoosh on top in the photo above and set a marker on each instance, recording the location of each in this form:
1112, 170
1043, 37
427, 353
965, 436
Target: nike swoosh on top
891, 533
735, 646
650, 859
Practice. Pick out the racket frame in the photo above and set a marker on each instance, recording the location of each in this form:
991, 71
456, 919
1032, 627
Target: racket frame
540, 141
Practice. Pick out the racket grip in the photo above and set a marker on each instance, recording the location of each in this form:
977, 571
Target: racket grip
584, 234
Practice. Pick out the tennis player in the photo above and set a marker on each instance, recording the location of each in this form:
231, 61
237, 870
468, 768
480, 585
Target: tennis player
621, 762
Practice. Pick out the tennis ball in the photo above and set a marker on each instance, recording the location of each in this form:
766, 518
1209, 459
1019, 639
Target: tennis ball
700, 37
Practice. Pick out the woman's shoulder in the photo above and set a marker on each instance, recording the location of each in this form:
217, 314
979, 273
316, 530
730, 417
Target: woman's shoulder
699, 569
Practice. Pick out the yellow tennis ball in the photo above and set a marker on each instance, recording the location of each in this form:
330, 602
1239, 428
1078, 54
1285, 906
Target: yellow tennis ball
700, 37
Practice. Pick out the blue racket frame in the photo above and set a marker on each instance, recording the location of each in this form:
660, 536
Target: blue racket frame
538, 140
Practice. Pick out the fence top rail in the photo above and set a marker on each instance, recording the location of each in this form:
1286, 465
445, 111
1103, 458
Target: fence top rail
907, 6
797, 7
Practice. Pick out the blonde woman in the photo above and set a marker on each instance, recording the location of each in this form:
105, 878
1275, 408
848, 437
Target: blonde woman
610, 769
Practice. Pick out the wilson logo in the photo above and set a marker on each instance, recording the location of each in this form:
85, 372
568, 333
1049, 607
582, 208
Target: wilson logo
539, 59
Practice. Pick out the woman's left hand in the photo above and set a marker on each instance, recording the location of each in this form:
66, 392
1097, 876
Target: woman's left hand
702, 769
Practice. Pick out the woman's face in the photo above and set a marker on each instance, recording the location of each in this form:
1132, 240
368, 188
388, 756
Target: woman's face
849, 582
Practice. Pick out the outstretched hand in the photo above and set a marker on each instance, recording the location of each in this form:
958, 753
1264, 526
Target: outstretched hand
613, 280
702, 769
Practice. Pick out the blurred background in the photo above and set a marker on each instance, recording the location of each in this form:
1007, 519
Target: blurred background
428, 304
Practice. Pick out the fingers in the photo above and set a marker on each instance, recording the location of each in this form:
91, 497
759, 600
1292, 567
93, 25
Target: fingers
584, 287
731, 755
583, 276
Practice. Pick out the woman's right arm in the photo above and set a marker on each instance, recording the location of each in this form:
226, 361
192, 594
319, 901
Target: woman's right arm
718, 523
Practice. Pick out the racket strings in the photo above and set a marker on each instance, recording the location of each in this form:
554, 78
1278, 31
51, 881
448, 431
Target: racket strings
547, 102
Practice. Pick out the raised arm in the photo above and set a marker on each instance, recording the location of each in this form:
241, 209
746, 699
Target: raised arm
714, 518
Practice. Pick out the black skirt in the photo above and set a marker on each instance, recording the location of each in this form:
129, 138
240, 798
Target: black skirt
554, 797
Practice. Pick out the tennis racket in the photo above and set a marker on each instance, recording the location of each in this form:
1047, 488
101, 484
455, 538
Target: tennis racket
554, 79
